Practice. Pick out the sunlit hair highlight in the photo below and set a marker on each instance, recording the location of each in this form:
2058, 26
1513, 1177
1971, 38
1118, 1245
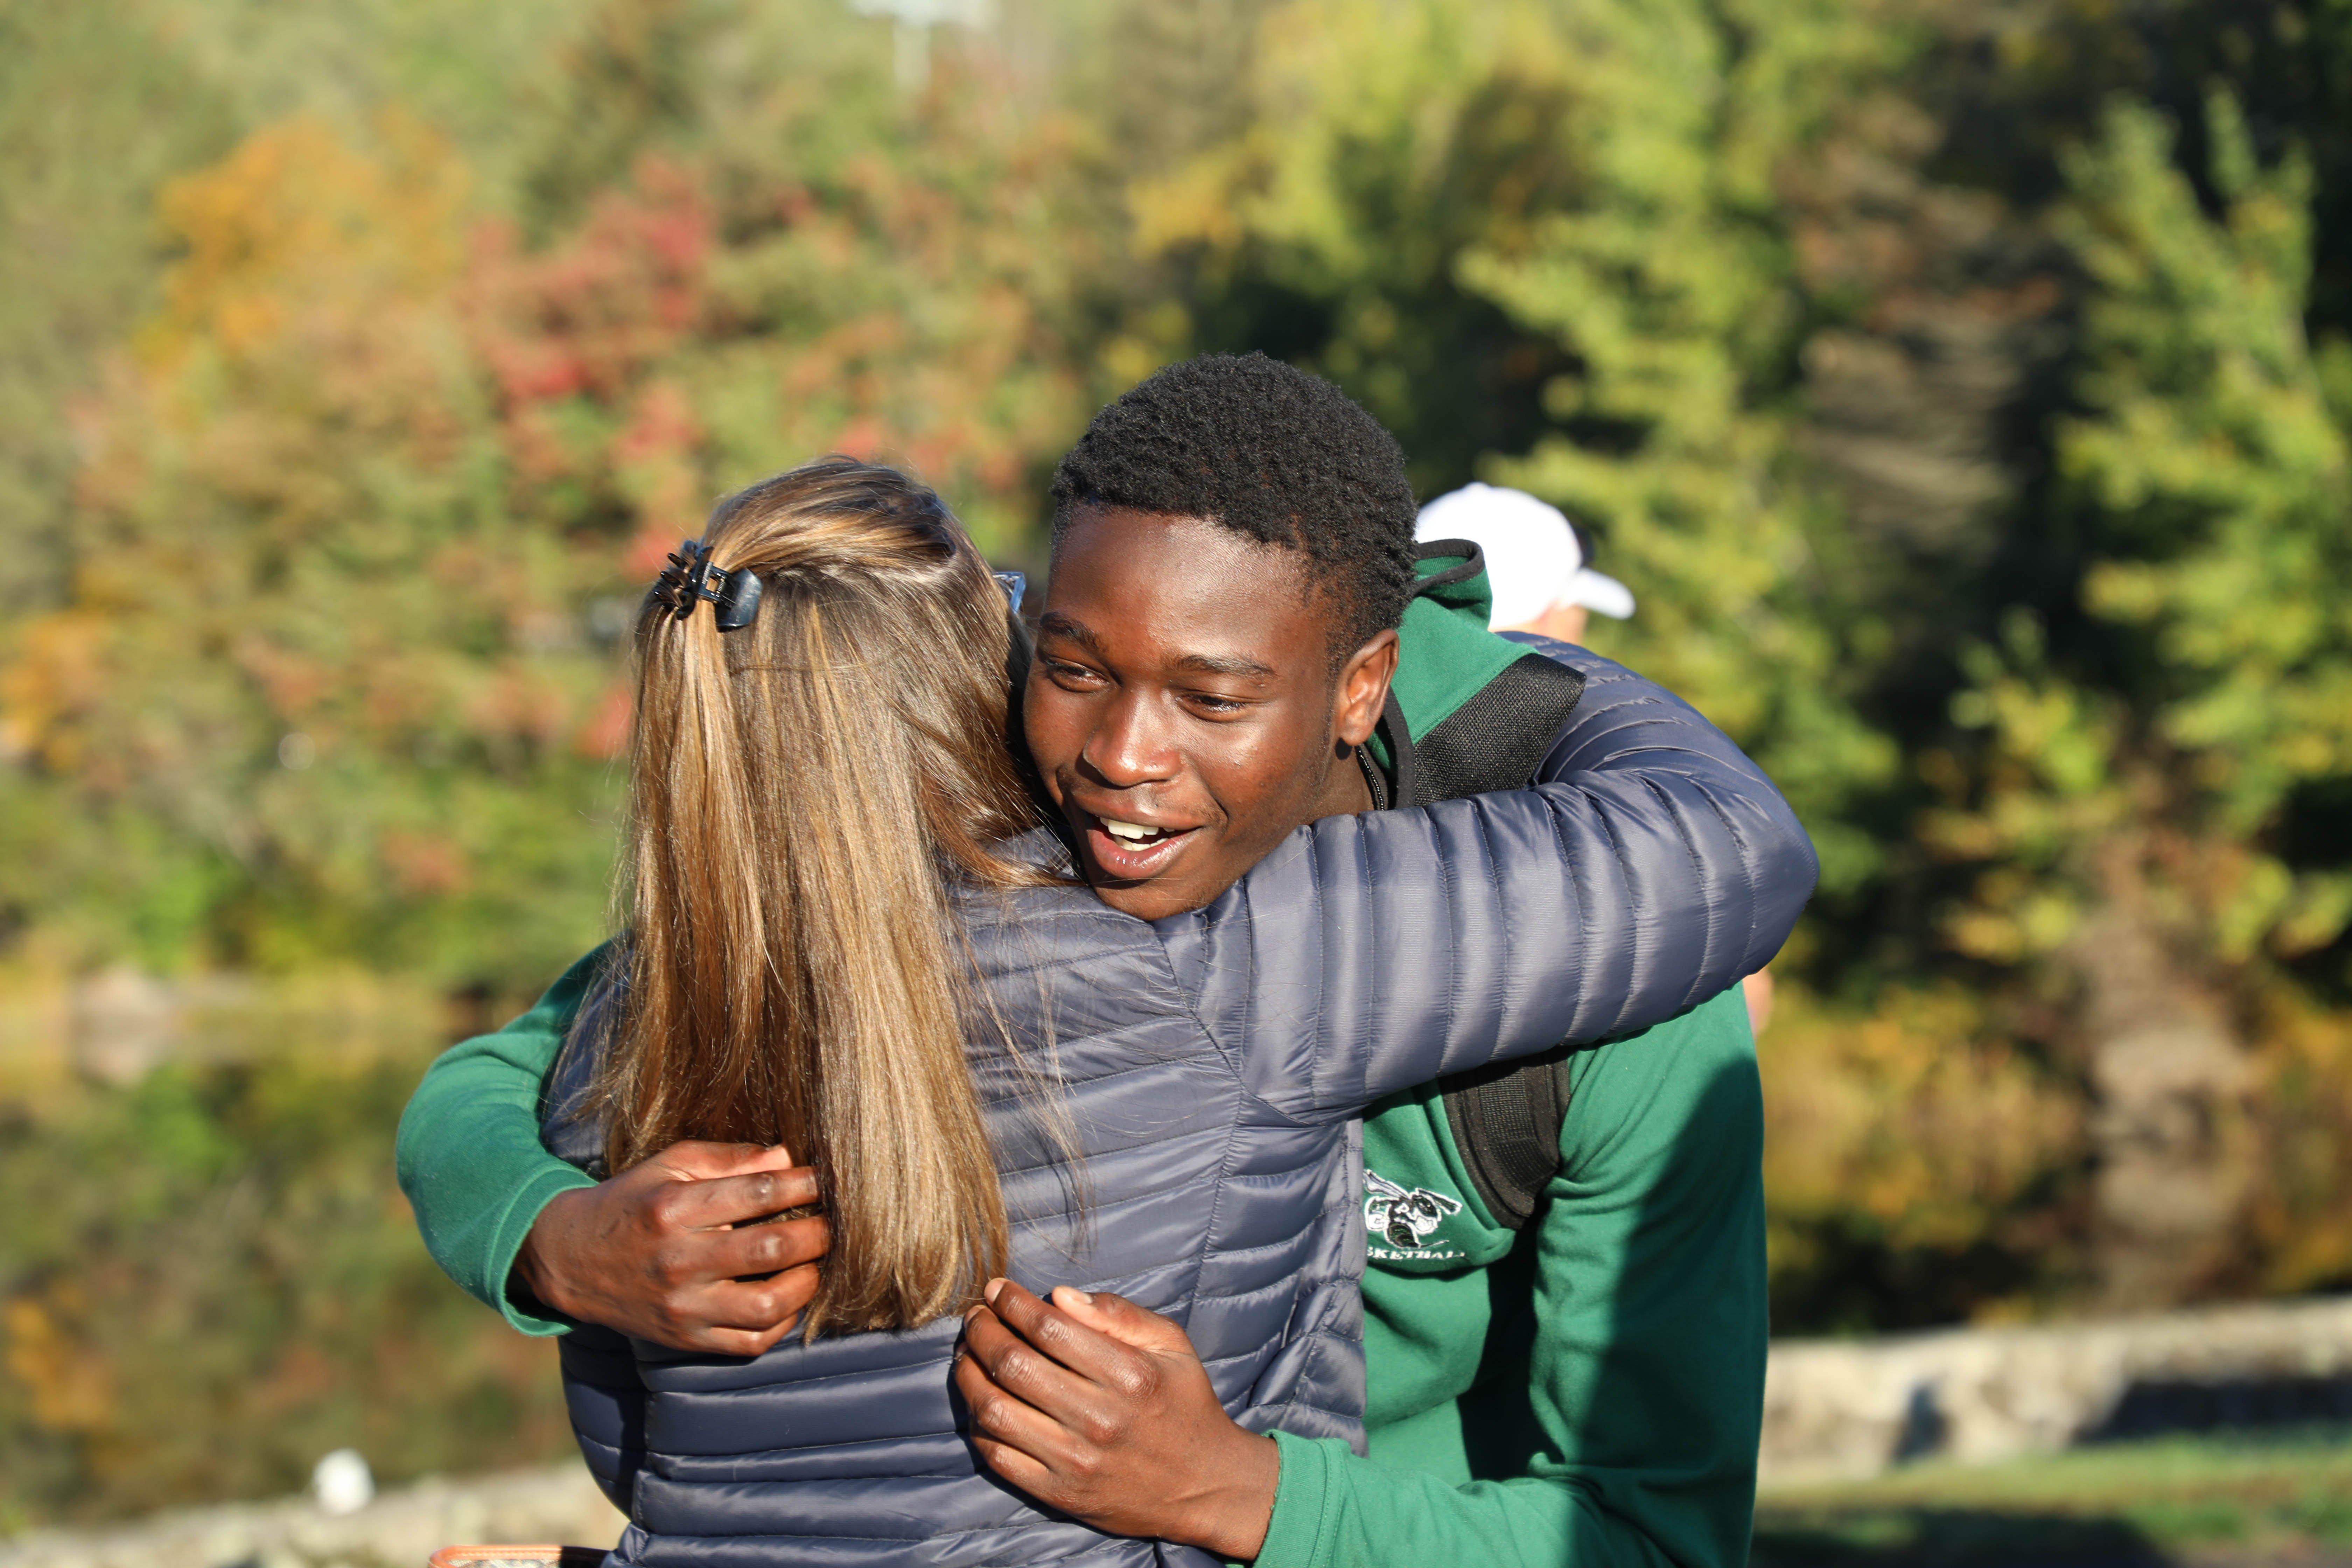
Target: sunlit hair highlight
805, 791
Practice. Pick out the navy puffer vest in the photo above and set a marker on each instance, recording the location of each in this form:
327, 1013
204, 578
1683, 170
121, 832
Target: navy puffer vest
1211, 1064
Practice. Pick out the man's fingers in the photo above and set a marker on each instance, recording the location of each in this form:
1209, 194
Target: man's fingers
704, 1203
740, 1317
1002, 1413
734, 1341
695, 1160
769, 1248
1016, 1367
1018, 1469
755, 1305
1086, 1351
1125, 1321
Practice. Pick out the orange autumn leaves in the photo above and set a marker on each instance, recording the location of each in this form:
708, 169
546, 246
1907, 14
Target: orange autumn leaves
366, 504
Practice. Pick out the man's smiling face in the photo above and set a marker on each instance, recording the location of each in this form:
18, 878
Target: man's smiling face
1183, 708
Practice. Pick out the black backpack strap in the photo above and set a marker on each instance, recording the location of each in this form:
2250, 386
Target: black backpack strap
1506, 1118
1500, 737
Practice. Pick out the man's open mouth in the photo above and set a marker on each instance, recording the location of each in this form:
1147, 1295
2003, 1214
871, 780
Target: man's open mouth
1128, 850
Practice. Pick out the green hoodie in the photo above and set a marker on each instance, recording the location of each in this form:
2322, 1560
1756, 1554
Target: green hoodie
1587, 1391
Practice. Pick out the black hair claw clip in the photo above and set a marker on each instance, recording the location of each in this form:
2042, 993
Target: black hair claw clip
690, 578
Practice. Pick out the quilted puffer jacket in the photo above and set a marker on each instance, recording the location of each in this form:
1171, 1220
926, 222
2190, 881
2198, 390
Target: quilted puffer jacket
1209, 1065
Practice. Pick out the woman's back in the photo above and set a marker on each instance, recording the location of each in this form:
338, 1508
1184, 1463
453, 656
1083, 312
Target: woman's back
1191, 1197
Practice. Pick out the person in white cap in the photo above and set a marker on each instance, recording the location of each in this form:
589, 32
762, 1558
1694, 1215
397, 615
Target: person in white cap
1535, 560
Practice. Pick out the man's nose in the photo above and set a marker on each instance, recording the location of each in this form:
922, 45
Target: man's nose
1132, 746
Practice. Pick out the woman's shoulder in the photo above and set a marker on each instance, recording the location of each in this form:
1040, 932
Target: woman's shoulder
1060, 894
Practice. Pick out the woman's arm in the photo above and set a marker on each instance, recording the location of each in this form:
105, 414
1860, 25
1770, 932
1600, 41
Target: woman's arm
1650, 865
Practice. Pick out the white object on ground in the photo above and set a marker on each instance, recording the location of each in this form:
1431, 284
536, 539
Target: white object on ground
341, 1482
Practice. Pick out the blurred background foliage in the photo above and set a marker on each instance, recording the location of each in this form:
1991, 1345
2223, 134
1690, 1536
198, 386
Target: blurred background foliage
1964, 387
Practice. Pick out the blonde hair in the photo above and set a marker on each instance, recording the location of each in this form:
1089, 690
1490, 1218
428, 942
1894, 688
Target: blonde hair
803, 792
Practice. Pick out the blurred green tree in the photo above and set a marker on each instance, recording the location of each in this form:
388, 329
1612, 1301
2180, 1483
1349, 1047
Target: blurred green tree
2134, 800
1553, 234
96, 111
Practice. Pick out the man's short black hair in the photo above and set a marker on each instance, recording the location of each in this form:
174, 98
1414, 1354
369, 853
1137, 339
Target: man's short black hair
1273, 454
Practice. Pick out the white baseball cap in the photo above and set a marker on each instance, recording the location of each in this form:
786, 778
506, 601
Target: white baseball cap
1534, 557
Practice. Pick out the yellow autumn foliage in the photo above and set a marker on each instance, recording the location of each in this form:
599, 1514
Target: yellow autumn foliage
1918, 1114
296, 218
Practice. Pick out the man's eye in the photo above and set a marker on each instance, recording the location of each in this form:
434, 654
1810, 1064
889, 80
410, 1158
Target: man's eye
1215, 707
1069, 672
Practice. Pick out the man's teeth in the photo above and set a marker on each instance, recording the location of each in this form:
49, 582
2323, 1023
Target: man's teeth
1131, 832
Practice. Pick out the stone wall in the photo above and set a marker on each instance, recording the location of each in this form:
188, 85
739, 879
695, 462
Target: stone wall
1837, 1409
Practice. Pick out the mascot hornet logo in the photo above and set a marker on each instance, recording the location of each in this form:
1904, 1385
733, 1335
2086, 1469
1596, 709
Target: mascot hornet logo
1406, 1217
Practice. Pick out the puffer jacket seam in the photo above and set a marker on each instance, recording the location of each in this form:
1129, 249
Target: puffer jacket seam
1277, 1116
1288, 1404
1114, 1075
912, 1540
1240, 1079
1490, 863
1244, 1253
814, 1481
1036, 1517
1748, 861
1208, 1227
1372, 907
808, 1382
1051, 1165
1633, 946
1234, 1130
841, 1448
1243, 1294
1710, 932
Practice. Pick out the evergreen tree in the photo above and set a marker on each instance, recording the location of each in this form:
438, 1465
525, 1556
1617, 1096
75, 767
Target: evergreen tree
1551, 234
2136, 797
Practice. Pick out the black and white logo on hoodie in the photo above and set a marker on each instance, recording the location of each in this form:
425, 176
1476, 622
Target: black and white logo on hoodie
1404, 1218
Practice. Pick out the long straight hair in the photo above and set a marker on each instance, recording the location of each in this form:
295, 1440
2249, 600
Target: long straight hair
803, 792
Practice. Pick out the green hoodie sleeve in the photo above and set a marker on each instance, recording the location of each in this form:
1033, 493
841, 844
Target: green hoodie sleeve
1615, 1420
469, 1155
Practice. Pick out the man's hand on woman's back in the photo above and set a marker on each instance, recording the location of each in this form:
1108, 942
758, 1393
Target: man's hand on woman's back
1100, 1408
670, 1250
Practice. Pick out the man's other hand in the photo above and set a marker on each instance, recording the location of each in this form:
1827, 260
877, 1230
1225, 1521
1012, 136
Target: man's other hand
1095, 1406
666, 1250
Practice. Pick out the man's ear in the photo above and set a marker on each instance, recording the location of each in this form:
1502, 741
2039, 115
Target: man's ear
1363, 689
